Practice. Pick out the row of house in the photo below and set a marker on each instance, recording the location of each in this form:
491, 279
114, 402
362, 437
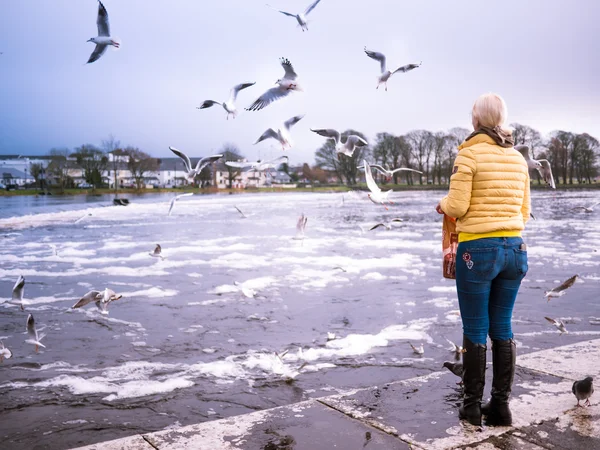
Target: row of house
15, 169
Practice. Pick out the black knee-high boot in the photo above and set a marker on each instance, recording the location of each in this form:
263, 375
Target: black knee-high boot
504, 355
474, 381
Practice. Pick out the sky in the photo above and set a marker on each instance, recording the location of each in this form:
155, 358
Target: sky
541, 56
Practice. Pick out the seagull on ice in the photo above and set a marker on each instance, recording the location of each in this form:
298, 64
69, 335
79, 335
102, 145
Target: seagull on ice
385, 73
34, 337
229, 105
282, 134
376, 196
4, 352
559, 291
258, 166
157, 253
559, 324
300, 227
418, 350
389, 173
300, 17
583, 390
346, 148
177, 197
587, 209
387, 226
103, 39
201, 164
541, 165
248, 292
18, 292
284, 86
102, 299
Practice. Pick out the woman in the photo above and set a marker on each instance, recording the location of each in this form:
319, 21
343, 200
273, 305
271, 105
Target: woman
489, 197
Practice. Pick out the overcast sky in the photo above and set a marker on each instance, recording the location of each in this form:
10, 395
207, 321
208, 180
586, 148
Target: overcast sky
542, 56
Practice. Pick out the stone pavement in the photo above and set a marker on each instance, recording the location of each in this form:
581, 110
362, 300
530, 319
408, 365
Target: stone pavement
419, 413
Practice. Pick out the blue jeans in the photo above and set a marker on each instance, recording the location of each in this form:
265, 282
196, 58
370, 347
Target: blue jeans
488, 276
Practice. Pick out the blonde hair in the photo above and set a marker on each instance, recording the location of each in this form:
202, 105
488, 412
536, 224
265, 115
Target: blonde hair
490, 111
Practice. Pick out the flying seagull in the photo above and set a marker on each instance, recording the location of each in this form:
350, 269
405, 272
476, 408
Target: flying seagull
300, 17
389, 173
385, 73
301, 226
4, 352
157, 253
347, 148
282, 134
229, 105
34, 337
457, 349
177, 197
19, 291
418, 350
244, 216
284, 86
559, 291
541, 165
583, 390
456, 368
102, 299
258, 166
587, 209
559, 324
103, 39
201, 164
387, 226
376, 196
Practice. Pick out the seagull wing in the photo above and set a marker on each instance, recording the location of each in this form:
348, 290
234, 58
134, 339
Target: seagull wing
290, 74
186, 160
328, 133
405, 169
206, 161
311, 7
97, 53
157, 251
566, 285
282, 12
177, 197
552, 321
407, 68
546, 172
374, 227
379, 169
102, 20
278, 161
354, 141
270, 133
275, 93
91, 296
240, 211
238, 165
378, 57
30, 327
238, 88
293, 121
208, 104
19, 285
370, 181
523, 150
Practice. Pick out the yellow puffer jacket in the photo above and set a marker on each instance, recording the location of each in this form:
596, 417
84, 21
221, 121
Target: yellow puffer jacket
489, 190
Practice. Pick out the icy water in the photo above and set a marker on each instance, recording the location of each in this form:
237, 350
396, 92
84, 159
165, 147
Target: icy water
185, 345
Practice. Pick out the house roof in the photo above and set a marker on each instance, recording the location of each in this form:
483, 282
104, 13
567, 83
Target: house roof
9, 172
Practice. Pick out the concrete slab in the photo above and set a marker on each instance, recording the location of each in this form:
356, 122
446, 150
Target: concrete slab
136, 442
574, 362
306, 425
503, 442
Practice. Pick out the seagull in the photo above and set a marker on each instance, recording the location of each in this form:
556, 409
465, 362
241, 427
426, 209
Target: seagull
457, 349
587, 209
301, 17
229, 105
558, 324
387, 226
34, 338
348, 147
258, 165
177, 197
201, 164
157, 253
541, 165
19, 291
386, 74
103, 39
583, 390
284, 86
282, 134
102, 299
418, 350
248, 292
83, 217
244, 216
559, 291
4, 352
456, 368
376, 196
301, 226
389, 173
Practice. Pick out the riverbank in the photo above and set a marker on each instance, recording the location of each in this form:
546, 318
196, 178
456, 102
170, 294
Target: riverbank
544, 415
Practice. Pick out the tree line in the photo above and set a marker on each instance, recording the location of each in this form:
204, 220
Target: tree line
573, 157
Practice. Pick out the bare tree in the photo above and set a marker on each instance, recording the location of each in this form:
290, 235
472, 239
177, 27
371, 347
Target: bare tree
93, 161
421, 143
231, 152
36, 170
140, 164
345, 167
58, 168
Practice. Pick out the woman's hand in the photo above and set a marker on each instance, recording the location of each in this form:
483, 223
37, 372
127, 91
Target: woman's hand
438, 208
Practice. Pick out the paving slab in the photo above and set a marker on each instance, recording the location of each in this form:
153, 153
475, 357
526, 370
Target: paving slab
136, 442
306, 425
574, 361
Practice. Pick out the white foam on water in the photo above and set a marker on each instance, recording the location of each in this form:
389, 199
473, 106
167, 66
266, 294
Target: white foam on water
374, 276
227, 368
210, 302
134, 389
440, 302
75, 422
153, 292
442, 288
